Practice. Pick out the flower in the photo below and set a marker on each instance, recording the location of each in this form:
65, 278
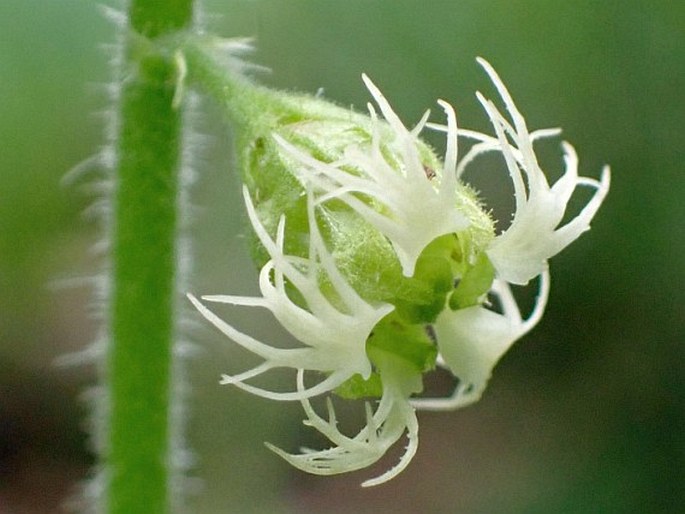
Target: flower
393, 264
334, 336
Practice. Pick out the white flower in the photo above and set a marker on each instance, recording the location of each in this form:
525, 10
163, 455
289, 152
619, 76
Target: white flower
334, 338
472, 341
381, 174
383, 428
414, 205
520, 253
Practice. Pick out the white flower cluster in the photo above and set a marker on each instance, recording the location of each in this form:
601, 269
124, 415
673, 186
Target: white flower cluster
392, 191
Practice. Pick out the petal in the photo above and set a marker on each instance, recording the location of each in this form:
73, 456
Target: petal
472, 340
393, 416
390, 188
521, 252
333, 338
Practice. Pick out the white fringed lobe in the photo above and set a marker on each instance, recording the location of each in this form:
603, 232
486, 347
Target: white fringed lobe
521, 252
403, 196
334, 339
393, 416
474, 339
385, 182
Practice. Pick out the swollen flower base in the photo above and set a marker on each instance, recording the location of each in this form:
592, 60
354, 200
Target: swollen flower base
379, 260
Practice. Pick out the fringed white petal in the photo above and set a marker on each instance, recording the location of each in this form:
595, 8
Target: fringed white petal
333, 338
471, 341
410, 205
383, 428
522, 251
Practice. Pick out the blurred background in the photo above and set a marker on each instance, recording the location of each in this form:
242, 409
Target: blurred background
584, 415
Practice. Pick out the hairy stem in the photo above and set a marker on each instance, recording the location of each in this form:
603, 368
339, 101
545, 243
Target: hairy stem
139, 360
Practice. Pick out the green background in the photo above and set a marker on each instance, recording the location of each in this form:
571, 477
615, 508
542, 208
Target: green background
584, 415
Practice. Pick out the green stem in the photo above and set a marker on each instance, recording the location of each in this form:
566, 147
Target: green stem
244, 103
144, 268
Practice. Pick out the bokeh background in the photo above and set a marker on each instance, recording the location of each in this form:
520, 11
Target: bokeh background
584, 415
